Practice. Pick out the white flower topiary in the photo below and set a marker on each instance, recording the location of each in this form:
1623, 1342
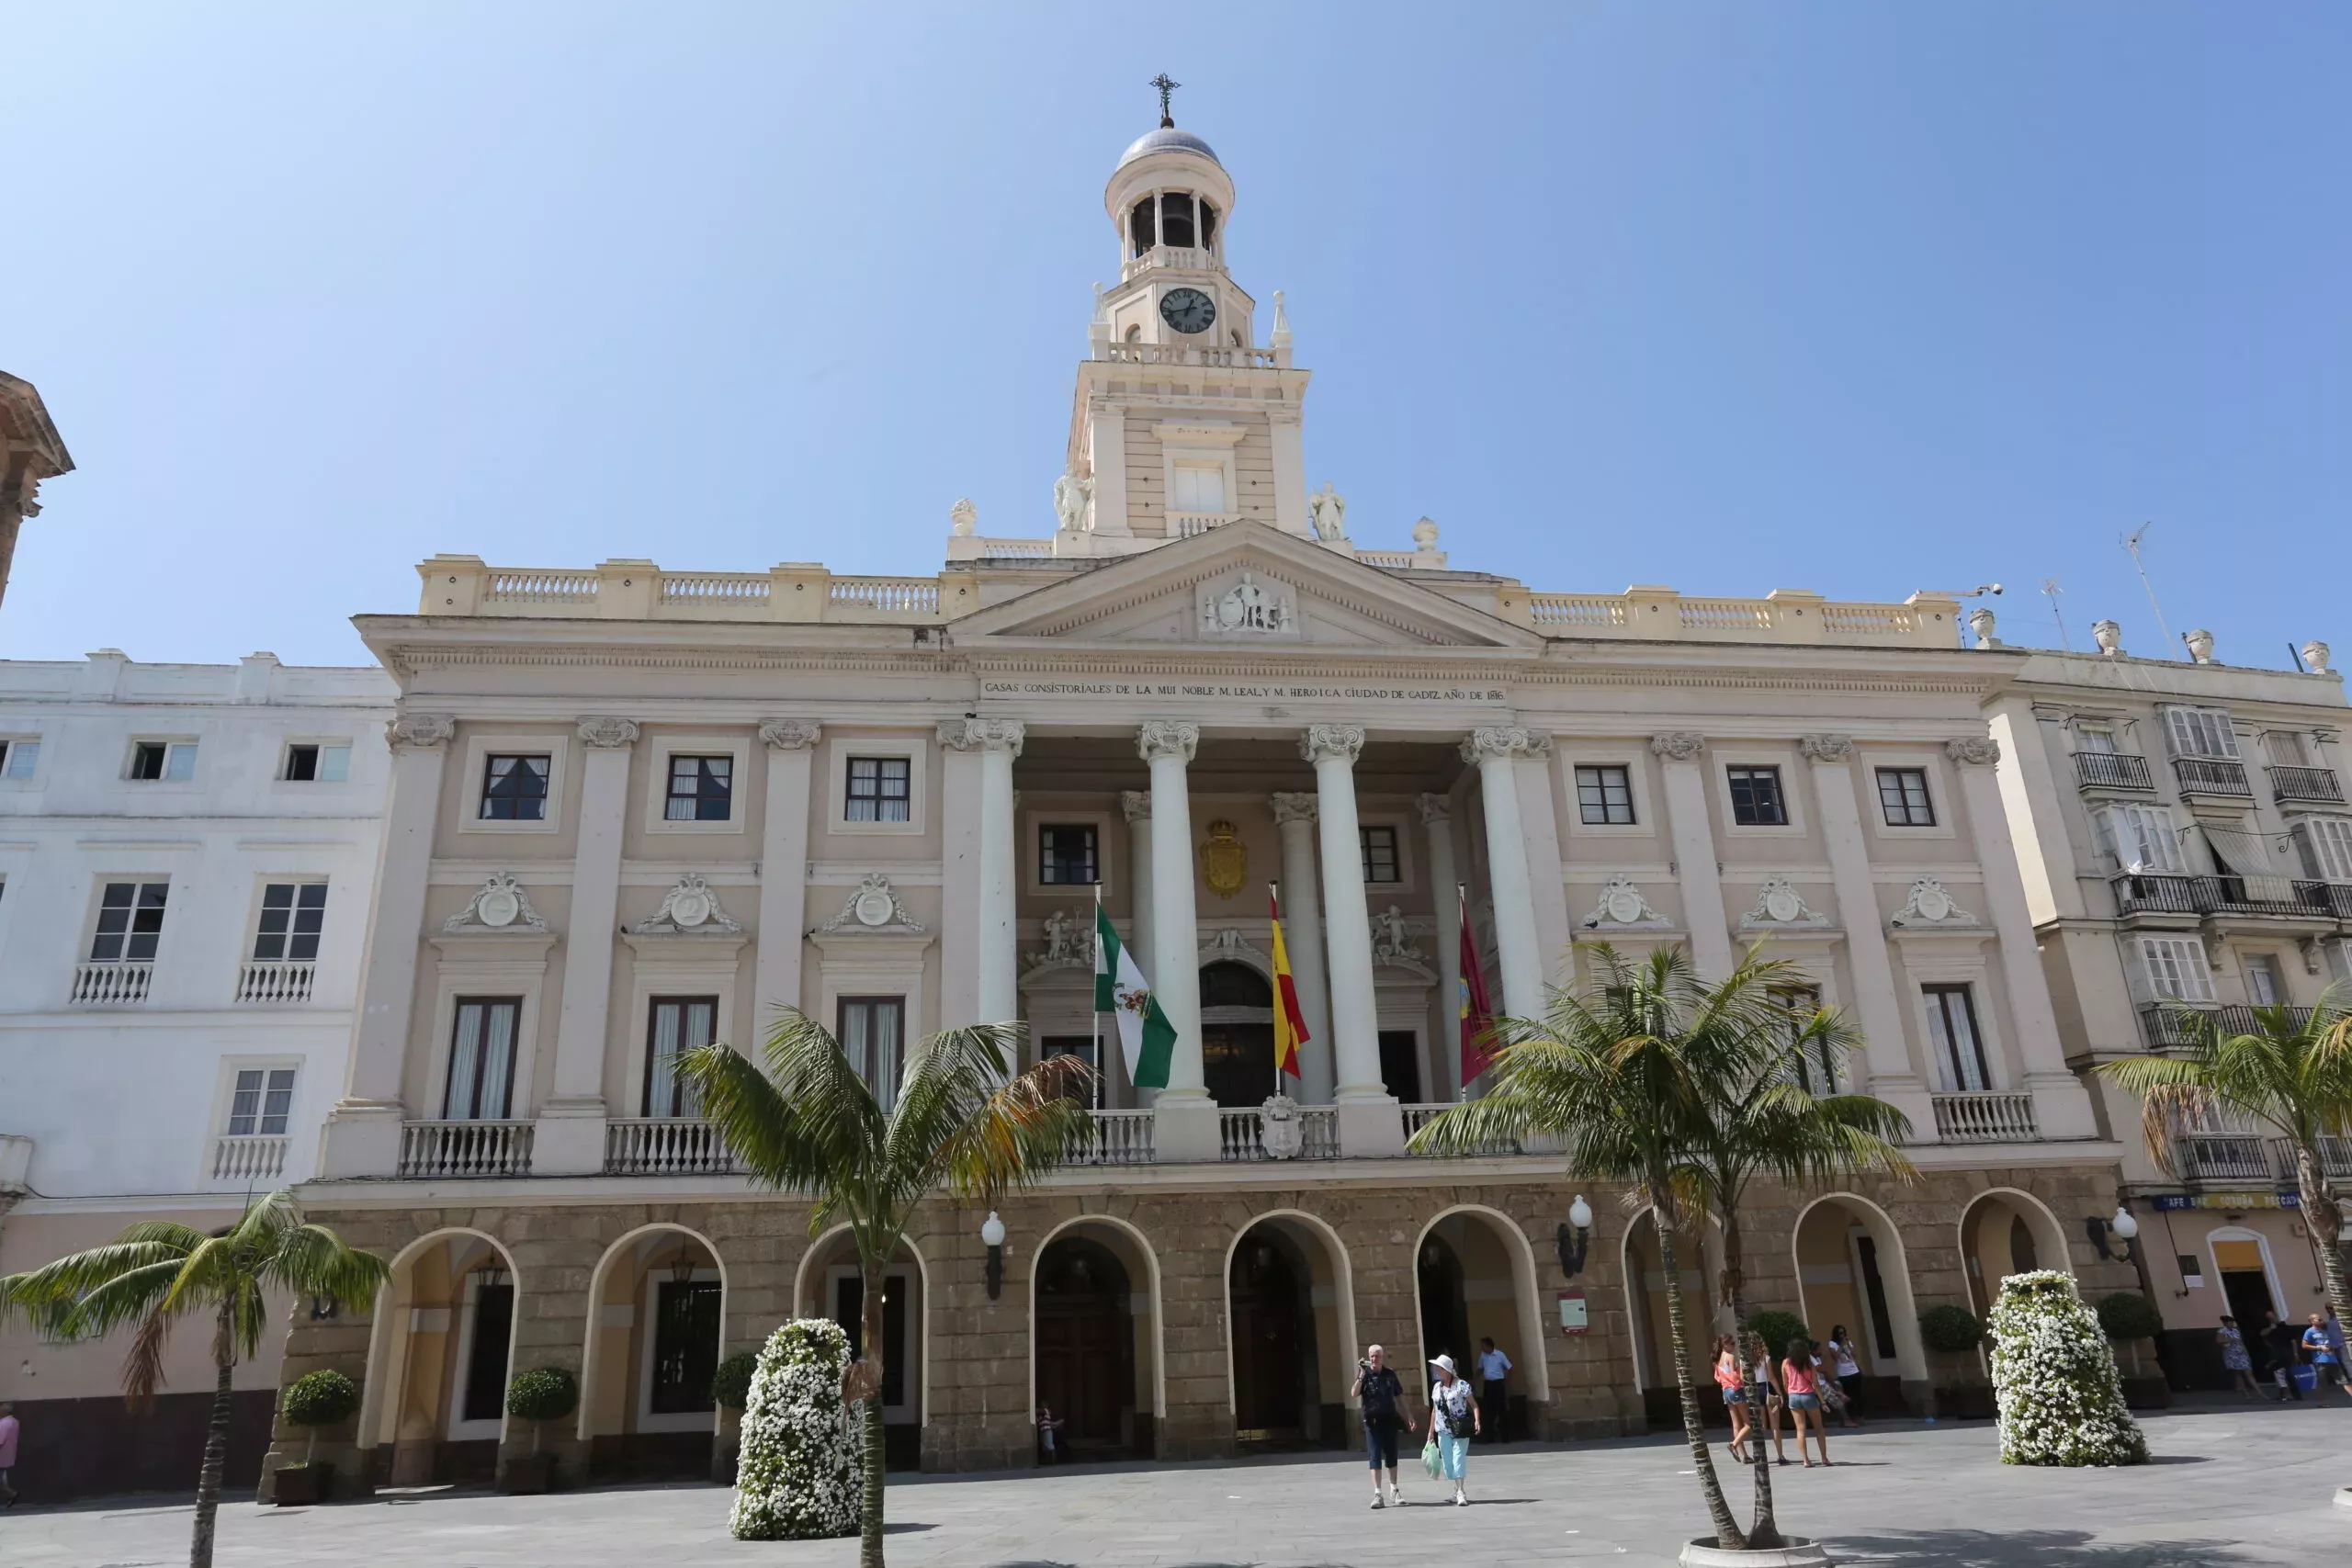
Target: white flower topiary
801, 1467
2054, 1373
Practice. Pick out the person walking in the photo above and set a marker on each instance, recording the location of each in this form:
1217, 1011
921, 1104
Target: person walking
2326, 1359
1848, 1372
1735, 1391
1764, 1406
1454, 1420
8, 1425
2279, 1340
2235, 1359
1380, 1394
1494, 1403
1801, 1376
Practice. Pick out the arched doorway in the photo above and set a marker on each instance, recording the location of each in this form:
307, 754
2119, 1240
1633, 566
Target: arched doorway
1086, 1348
443, 1342
1289, 1336
1852, 1273
1236, 1034
654, 1340
832, 1286
1699, 1260
2006, 1231
1475, 1276
1445, 1313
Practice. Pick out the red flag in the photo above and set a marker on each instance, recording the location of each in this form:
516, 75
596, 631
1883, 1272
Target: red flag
1477, 1016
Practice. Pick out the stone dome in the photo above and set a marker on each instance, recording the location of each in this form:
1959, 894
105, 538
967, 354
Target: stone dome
1167, 139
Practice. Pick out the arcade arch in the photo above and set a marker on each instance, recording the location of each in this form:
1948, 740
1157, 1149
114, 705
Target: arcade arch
1290, 1311
828, 1285
1699, 1261
2004, 1232
1853, 1270
656, 1317
1095, 1337
1475, 1279
438, 1358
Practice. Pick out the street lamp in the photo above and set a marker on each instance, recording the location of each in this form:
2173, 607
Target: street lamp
1575, 1238
2122, 1226
992, 1237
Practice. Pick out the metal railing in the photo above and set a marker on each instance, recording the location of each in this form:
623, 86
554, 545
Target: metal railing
248, 1157
1121, 1137
110, 985
465, 1148
2113, 770
1420, 1116
666, 1146
1985, 1116
2169, 1024
2222, 1156
2306, 784
2168, 894
2210, 775
260, 982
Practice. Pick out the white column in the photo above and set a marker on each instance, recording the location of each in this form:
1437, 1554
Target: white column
1370, 1122
960, 879
1539, 829
570, 1140
1136, 806
784, 876
1303, 928
1677, 752
997, 741
2061, 1106
363, 1131
1518, 952
1877, 1007
1445, 886
1184, 1125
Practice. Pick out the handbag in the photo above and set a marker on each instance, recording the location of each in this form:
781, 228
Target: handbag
1430, 1460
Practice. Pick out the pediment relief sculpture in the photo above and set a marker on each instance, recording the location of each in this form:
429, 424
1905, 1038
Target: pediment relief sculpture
1392, 939
1778, 903
689, 908
1069, 944
874, 908
499, 906
1931, 904
1248, 607
1622, 906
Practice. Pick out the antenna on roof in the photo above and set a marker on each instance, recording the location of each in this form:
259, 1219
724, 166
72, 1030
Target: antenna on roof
2131, 543
1167, 121
2051, 591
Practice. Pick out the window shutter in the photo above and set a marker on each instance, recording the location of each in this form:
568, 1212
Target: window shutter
2174, 969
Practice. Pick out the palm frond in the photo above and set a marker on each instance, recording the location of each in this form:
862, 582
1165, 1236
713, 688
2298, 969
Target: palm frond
142, 1369
797, 1125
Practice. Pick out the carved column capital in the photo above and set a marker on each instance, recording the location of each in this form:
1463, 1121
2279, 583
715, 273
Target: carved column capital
1293, 805
1435, 808
1500, 740
1168, 737
1329, 742
609, 734
1826, 748
1135, 805
1679, 745
1973, 751
418, 730
983, 735
790, 734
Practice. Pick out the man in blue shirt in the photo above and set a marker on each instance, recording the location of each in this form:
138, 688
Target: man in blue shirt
2326, 1354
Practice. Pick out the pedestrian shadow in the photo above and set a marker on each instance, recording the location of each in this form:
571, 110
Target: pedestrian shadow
2031, 1549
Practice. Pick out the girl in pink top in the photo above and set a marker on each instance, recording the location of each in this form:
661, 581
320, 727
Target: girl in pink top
1801, 1376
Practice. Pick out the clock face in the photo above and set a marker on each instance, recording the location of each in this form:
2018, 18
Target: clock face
1187, 310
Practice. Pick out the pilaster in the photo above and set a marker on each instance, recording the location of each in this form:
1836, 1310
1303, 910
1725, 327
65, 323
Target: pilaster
1517, 948
569, 1139
784, 869
1678, 752
995, 995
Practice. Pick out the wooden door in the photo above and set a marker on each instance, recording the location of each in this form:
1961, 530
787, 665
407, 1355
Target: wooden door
1085, 1343
1269, 1344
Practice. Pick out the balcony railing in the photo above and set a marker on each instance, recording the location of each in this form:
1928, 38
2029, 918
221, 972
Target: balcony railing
2139, 893
2223, 1157
465, 1148
2210, 775
1420, 1115
666, 1146
1121, 1137
2113, 770
275, 982
1986, 1117
247, 1157
1185, 524
1241, 1134
2306, 784
2176, 1024
111, 985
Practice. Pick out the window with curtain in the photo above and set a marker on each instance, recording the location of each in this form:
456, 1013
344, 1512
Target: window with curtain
2264, 988
2201, 732
2174, 969
879, 789
1951, 1025
2324, 846
676, 1025
2139, 836
1816, 1066
701, 789
481, 1059
2095, 738
871, 1032
259, 1103
515, 789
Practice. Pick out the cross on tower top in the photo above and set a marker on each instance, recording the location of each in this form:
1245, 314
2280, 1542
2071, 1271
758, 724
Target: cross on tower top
1166, 88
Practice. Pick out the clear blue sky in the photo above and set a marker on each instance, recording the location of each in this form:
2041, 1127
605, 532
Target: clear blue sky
1859, 298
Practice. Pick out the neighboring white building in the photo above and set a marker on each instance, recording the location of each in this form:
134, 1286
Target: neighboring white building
187, 858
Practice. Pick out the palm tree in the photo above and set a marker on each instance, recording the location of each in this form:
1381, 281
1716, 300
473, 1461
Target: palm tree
158, 1272
2293, 1076
1651, 1077
810, 1124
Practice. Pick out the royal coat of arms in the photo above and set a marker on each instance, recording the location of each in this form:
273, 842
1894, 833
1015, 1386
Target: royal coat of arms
1224, 860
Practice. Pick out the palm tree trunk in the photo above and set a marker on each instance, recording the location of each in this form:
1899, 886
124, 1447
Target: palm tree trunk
2326, 1222
1727, 1533
872, 1284
1767, 1529
216, 1440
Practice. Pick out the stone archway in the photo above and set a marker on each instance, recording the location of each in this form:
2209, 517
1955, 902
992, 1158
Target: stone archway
1289, 1337
828, 1285
2004, 1232
439, 1356
1854, 1273
1699, 1261
655, 1336
1474, 1274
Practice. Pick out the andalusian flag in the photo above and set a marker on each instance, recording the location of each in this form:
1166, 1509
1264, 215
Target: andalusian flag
1145, 1037
1290, 1024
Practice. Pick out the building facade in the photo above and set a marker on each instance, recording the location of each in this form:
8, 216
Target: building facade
2188, 846
632, 809
187, 861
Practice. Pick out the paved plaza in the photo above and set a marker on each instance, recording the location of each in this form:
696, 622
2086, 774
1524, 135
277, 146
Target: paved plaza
2231, 1486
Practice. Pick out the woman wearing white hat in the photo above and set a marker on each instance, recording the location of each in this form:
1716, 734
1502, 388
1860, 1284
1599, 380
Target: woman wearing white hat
1454, 1420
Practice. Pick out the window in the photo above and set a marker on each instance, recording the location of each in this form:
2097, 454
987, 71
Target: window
2098, 739
1200, 486
686, 1345
1066, 854
258, 1105
871, 1037
1605, 794
679, 1024
2284, 748
1951, 1024
2201, 732
1903, 796
307, 763
481, 1059
1379, 845
1756, 800
18, 758
701, 789
1815, 1061
2263, 986
130, 918
2326, 845
490, 1327
877, 788
1176, 219
291, 914
514, 788
1143, 224
2139, 838
172, 761
2175, 969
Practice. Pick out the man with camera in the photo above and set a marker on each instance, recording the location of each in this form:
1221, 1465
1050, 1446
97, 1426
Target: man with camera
1381, 1396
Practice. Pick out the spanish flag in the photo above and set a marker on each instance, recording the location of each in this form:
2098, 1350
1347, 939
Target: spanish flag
1290, 1024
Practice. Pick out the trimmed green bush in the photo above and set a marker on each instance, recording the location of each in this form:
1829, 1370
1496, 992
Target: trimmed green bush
1951, 1329
321, 1399
731, 1386
2054, 1375
2128, 1314
802, 1467
543, 1394
1775, 1329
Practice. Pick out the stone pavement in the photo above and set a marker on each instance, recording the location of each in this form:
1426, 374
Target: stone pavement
2232, 1486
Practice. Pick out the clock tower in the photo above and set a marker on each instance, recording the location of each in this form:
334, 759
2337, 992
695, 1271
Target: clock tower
1183, 419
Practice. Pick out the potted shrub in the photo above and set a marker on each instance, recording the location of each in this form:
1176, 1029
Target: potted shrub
1954, 1337
2128, 1318
730, 1390
323, 1398
539, 1397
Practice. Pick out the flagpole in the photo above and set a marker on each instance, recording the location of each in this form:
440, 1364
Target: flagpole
1274, 918
1102, 1069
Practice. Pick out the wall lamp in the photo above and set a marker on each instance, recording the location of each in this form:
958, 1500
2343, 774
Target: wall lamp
1575, 1238
2122, 1225
992, 1237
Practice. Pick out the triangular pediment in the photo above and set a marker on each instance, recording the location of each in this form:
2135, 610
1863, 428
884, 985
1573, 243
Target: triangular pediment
1244, 586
